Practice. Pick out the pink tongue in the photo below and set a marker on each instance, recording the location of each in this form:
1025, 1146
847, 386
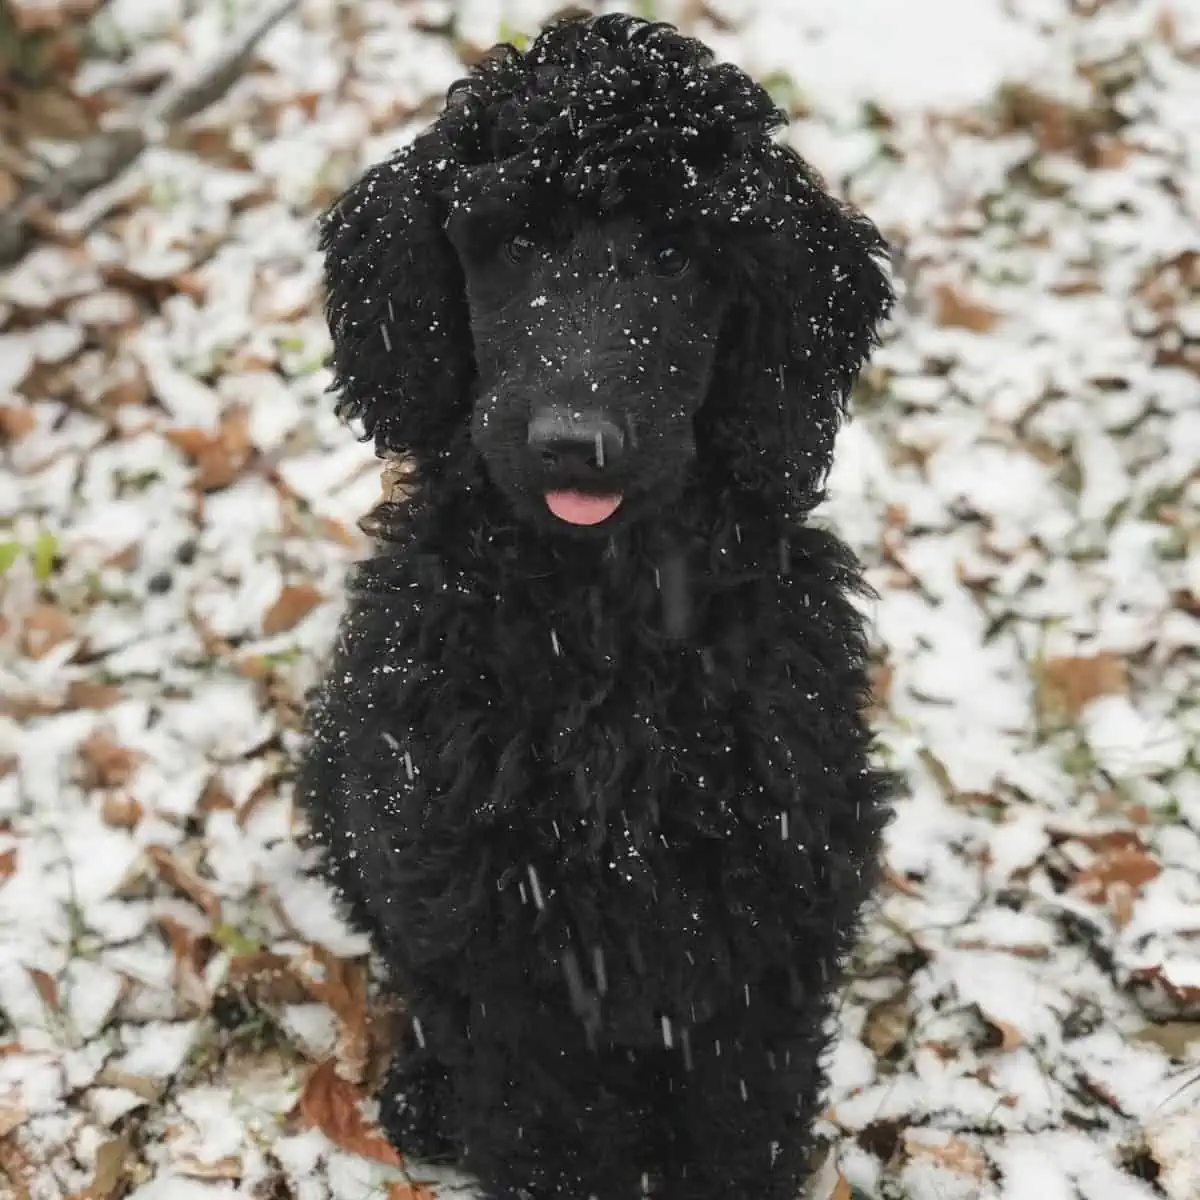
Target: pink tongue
576, 508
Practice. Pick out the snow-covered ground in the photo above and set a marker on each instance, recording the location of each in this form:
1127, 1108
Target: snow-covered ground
183, 1015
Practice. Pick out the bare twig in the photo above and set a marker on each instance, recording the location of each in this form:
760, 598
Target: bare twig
102, 158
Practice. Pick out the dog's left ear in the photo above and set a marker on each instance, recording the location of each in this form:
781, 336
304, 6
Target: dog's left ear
807, 312
396, 306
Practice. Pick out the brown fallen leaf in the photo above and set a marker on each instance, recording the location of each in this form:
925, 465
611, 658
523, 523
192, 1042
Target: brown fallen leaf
219, 457
120, 812
113, 1163
8, 863
293, 604
1058, 127
335, 531
215, 798
265, 979
190, 952
126, 386
956, 310
148, 1089
342, 985
16, 421
888, 1024
229, 1167
47, 987
1129, 866
1066, 686
37, 16
954, 1154
12, 1116
1011, 1038
185, 880
1031, 950
332, 1105
397, 483
45, 627
386, 1025
315, 976
1176, 1038
893, 879
1121, 897
16, 1169
84, 694
881, 674
105, 764
1102, 841
407, 1190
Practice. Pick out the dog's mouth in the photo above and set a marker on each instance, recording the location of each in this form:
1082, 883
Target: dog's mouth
582, 508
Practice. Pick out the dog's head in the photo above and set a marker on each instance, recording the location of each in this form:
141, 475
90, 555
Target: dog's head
599, 262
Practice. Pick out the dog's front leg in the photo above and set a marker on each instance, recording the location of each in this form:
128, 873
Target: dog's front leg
740, 1113
549, 1117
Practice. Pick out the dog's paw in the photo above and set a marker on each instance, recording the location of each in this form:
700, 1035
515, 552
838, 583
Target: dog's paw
412, 1109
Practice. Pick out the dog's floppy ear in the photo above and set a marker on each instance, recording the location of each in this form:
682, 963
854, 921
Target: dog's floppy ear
402, 359
807, 311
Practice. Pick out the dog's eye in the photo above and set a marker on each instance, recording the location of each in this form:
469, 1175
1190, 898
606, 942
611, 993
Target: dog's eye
518, 248
670, 259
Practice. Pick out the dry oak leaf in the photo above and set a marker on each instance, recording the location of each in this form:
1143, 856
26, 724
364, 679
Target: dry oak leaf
335, 531
409, 1191
881, 675
105, 764
16, 420
951, 1153
215, 798
332, 1105
229, 1167
265, 978
1125, 866
293, 604
342, 986
190, 953
1011, 1037
44, 16
219, 457
185, 880
150, 1090
120, 812
1102, 841
43, 629
952, 308
888, 1025
900, 883
12, 1116
47, 987
1121, 899
16, 1169
1067, 685
113, 1162
84, 693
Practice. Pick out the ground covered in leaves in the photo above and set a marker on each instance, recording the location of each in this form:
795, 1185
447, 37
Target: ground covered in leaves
183, 1015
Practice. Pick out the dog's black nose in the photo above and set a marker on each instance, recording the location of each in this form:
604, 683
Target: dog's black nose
569, 437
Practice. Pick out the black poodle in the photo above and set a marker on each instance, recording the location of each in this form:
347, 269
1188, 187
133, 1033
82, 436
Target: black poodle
591, 762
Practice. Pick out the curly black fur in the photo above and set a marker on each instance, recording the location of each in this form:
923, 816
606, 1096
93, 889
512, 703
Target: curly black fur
603, 797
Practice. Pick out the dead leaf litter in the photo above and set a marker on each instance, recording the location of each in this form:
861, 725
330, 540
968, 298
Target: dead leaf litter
183, 1013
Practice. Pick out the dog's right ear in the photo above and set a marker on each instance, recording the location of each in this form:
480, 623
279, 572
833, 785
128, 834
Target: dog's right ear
396, 305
